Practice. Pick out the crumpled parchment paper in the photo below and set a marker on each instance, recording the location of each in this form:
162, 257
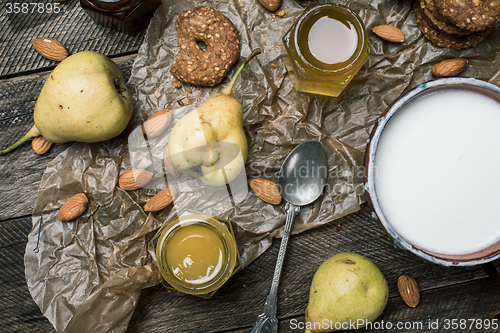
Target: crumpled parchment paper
88, 274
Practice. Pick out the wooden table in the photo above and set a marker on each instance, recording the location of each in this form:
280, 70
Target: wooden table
446, 293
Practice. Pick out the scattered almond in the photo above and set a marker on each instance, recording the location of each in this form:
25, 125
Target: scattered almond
266, 190
157, 123
168, 164
40, 145
184, 101
450, 67
160, 200
134, 179
177, 84
408, 289
271, 5
50, 48
389, 33
73, 208
281, 13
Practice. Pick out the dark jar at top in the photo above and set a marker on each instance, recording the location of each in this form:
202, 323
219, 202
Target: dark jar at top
128, 16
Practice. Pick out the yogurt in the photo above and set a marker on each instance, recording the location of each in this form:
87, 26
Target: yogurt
437, 172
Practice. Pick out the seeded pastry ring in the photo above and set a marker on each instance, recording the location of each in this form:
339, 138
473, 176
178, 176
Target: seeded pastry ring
206, 68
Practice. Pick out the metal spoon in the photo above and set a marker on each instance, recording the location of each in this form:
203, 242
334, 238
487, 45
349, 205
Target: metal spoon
301, 180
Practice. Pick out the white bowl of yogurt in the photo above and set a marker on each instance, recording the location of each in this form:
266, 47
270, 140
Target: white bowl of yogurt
433, 171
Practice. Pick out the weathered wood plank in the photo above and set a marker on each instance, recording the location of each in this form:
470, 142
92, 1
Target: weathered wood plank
18, 311
71, 26
234, 306
237, 303
476, 300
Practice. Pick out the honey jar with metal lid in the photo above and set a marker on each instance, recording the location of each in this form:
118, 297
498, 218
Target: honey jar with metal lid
196, 253
325, 48
128, 16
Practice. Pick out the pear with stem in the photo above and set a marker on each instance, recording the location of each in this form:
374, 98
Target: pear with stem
84, 99
209, 142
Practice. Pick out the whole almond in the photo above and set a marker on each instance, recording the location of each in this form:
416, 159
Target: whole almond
271, 5
266, 190
50, 48
73, 208
134, 179
389, 33
157, 123
160, 200
408, 289
168, 164
450, 67
40, 145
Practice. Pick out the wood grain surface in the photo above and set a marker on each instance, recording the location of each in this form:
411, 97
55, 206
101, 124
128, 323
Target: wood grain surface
446, 293
71, 26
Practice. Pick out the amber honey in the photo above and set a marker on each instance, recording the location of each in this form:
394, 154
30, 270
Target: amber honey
325, 48
196, 254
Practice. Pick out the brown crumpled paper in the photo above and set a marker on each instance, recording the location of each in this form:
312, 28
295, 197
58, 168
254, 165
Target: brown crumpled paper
88, 274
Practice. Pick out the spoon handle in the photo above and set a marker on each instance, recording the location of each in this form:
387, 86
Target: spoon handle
267, 321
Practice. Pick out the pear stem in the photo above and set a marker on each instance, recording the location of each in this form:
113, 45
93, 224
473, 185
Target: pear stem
33, 132
229, 88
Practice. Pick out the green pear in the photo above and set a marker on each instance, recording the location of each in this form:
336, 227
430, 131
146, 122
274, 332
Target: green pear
347, 291
84, 99
209, 142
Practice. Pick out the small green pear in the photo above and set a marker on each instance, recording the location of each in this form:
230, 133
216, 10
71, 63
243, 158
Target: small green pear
84, 99
209, 142
347, 291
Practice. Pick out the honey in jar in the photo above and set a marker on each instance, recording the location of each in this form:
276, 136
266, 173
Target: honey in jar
196, 254
128, 16
325, 48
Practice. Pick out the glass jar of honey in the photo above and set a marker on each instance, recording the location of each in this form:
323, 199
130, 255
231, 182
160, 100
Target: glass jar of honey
325, 47
128, 16
196, 254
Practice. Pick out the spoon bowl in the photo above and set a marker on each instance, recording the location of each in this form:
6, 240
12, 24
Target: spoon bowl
303, 174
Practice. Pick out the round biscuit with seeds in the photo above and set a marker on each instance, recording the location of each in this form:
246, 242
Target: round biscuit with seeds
471, 15
446, 27
442, 39
208, 67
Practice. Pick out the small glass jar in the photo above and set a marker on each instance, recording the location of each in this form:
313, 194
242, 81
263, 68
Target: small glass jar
325, 47
128, 16
196, 254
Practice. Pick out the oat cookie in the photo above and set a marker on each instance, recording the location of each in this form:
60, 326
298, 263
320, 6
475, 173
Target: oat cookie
446, 27
472, 15
430, 5
443, 39
206, 68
